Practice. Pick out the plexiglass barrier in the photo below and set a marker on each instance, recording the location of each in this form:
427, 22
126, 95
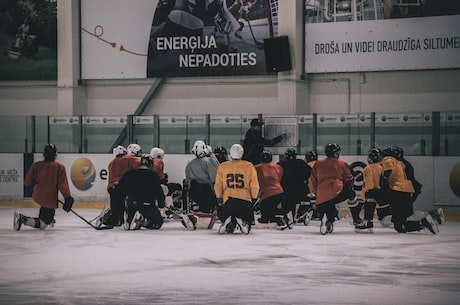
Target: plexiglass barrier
419, 134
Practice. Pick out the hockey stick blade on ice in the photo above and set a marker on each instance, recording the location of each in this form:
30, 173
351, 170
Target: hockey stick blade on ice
89, 223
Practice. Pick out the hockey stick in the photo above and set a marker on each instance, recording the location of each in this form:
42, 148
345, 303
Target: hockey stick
259, 44
93, 226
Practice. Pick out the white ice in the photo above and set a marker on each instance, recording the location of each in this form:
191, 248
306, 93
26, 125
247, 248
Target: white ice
74, 264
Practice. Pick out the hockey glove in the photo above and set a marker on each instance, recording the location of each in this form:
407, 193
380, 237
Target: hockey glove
67, 206
220, 202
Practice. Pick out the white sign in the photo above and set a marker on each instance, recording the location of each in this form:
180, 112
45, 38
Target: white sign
391, 44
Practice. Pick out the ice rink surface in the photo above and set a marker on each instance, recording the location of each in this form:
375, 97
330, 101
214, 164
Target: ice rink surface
74, 264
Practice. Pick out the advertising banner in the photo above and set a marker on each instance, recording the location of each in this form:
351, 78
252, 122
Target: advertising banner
145, 38
381, 36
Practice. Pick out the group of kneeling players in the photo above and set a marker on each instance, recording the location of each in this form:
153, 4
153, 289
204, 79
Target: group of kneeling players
235, 190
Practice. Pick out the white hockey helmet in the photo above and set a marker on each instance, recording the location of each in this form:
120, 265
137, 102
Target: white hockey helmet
236, 152
199, 149
134, 150
208, 150
119, 150
157, 152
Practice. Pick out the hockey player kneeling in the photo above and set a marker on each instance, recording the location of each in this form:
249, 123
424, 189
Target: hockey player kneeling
235, 187
142, 192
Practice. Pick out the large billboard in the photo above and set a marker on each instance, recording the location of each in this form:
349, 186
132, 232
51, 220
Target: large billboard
381, 35
156, 38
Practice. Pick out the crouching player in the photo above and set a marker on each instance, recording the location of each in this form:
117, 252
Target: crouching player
371, 193
142, 191
47, 177
236, 187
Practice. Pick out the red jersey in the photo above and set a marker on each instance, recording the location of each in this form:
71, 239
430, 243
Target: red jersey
269, 176
329, 175
119, 166
47, 179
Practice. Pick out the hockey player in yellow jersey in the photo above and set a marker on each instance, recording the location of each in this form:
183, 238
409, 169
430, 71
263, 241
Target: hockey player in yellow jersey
371, 193
397, 191
236, 187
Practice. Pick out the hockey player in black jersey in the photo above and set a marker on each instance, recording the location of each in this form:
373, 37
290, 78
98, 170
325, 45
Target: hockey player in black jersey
294, 181
143, 195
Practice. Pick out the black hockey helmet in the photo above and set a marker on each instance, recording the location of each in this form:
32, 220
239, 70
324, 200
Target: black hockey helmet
387, 152
312, 155
332, 150
374, 155
266, 156
221, 153
398, 152
146, 161
290, 154
50, 152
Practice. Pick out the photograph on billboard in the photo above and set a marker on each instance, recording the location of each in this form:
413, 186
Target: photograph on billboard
381, 35
146, 39
28, 40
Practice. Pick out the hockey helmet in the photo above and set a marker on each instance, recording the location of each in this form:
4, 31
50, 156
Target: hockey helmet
119, 151
146, 161
157, 152
236, 152
290, 154
312, 155
208, 150
221, 153
199, 149
50, 152
398, 152
134, 150
332, 150
266, 156
374, 155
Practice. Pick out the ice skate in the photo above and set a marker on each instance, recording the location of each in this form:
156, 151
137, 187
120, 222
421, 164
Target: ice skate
386, 221
438, 215
243, 226
308, 217
282, 222
365, 226
226, 226
324, 226
19, 219
187, 222
102, 217
261, 224
329, 227
430, 224
137, 221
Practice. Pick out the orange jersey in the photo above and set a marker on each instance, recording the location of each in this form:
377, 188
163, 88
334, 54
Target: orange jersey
47, 179
158, 167
236, 179
329, 175
397, 180
119, 166
269, 176
371, 177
